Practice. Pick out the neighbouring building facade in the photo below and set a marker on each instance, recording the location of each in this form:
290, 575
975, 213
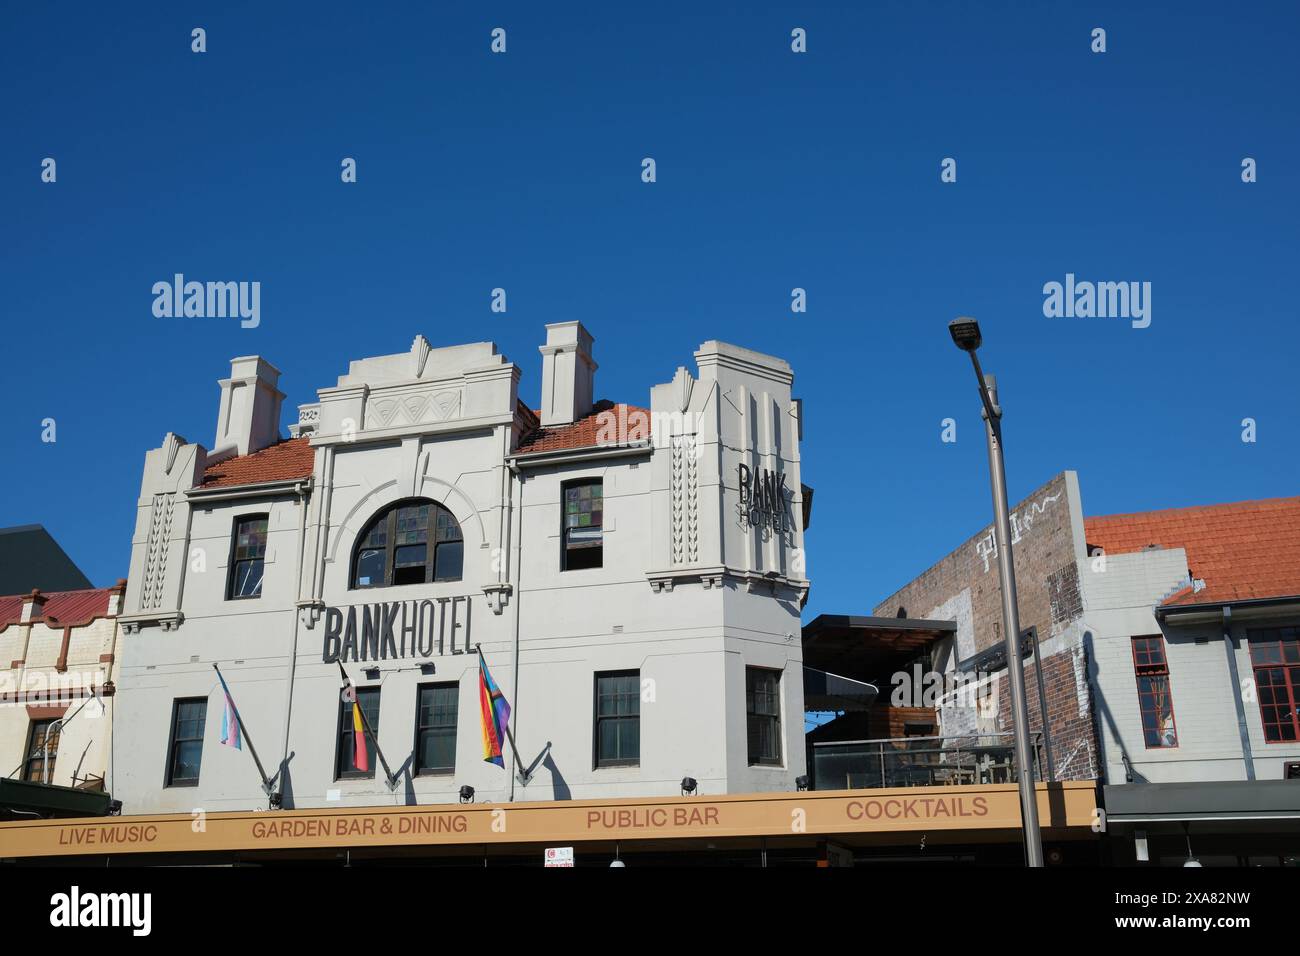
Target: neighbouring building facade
1168, 645
59, 663
1194, 633
633, 575
31, 559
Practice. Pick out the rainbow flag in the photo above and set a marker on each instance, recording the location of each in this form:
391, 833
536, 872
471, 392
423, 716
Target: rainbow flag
361, 754
495, 713
230, 735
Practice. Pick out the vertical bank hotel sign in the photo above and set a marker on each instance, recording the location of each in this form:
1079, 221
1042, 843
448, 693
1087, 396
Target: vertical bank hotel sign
763, 502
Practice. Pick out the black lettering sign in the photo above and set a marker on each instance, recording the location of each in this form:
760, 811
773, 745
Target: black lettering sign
763, 499
420, 623
333, 630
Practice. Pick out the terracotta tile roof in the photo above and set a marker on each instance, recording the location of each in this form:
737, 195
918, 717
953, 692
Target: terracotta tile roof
1242, 551
608, 424
292, 458
61, 608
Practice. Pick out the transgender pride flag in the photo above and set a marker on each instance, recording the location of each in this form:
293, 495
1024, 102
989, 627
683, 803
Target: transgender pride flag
230, 735
495, 713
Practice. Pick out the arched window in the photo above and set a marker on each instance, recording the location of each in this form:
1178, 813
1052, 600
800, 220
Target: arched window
411, 542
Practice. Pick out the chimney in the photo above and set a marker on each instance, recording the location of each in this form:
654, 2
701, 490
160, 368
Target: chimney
249, 417
33, 607
568, 374
117, 598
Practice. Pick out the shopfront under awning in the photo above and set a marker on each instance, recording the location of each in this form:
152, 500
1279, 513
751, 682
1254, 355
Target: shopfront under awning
825, 692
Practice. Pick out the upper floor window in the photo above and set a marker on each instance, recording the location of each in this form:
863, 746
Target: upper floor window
346, 754
247, 557
435, 728
583, 525
411, 542
763, 716
1275, 657
42, 748
185, 750
1155, 697
618, 719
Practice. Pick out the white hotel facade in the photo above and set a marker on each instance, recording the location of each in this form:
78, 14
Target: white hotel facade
633, 575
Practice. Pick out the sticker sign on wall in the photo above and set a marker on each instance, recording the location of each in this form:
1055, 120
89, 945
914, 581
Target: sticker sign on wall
559, 856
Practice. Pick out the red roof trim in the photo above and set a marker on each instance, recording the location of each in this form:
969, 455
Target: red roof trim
61, 608
285, 461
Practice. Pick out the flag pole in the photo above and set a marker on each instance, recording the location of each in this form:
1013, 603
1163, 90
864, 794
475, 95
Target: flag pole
243, 731
370, 734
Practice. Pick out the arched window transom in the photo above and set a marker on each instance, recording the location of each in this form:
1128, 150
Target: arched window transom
411, 542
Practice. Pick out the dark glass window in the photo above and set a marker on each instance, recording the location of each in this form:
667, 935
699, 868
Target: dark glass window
583, 525
185, 753
42, 732
345, 765
247, 557
435, 728
763, 715
1275, 657
411, 542
618, 719
1155, 696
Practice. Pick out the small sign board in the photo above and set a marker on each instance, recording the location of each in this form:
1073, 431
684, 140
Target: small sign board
559, 856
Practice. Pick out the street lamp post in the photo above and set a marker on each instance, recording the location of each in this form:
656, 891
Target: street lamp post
966, 334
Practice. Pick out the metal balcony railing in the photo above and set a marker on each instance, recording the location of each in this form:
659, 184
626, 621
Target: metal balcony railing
919, 761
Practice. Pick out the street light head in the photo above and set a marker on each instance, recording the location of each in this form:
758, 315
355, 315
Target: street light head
965, 333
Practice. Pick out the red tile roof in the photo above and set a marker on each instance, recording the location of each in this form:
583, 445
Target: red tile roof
1242, 551
608, 425
61, 608
292, 458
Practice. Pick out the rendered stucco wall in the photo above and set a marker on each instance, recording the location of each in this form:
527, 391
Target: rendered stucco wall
687, 594
1122, 593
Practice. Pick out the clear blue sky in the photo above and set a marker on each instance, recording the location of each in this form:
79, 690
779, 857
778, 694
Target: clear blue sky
775, 170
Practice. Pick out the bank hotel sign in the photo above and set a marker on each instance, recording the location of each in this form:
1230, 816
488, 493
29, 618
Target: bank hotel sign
397, 629
763, 501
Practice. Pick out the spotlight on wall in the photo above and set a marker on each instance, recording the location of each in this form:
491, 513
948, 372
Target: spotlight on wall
689, 786
426, 667
372, 673
467, 794
801, 782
